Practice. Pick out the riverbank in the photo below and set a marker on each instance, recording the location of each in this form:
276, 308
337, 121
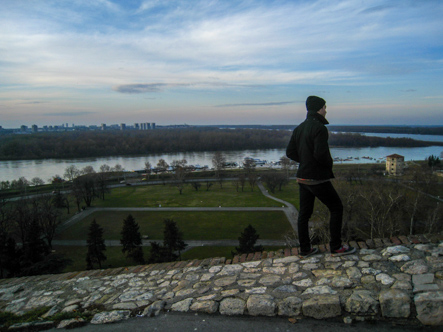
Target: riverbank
399, 280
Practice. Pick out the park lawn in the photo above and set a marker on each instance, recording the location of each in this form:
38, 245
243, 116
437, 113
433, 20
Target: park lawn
207, 252
114, 257
289, 193
217, 225
169, 196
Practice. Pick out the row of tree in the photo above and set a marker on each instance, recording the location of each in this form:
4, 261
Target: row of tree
131, 241
382, 209
27, 229
118, 143
94, 144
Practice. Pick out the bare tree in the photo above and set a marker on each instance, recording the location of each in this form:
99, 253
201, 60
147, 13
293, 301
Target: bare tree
84, 188
36, 181
48, 217
71, 172
287, 165
252, 179
105, 168
219, 162
381, 210
162, 167
242, 181
148, 169
275, 180
88, 170
249, 165
196, 185
179, 174
119, 170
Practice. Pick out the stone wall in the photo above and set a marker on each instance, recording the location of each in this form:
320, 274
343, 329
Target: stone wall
397, 279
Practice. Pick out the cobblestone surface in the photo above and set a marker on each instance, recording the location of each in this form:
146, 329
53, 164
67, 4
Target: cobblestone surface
399, 282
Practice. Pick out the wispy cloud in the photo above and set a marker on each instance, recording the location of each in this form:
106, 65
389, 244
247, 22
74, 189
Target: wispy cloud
272, 50
159, 87
69, 114
277, 103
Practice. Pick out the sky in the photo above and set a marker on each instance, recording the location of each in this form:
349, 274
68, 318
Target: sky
209, 62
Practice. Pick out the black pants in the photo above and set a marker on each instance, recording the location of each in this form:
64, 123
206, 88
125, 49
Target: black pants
326, 193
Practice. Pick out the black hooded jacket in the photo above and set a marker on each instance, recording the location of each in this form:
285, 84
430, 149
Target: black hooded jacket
309, 147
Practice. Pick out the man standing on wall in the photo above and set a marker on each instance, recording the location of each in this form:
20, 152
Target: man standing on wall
309, 147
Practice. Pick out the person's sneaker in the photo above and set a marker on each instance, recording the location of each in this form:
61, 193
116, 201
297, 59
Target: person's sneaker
343, 250
311, 252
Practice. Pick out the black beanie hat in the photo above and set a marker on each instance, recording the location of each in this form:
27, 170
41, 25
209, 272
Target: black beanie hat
314, 103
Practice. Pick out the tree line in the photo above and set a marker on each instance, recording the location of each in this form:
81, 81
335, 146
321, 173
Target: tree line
78, 144
412, 130
358, 140
131, 241
382, 209
94, 144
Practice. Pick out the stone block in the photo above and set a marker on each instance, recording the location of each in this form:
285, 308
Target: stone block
154, 309
232, 306
415, 267
270, 280
322, 306
261, 305
421, 279
209, 307
110, 316
182, 306
395, 303
222, 282
429, 307
290, 306
425, 288
362, 302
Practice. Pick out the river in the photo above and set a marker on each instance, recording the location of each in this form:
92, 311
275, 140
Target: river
47, 168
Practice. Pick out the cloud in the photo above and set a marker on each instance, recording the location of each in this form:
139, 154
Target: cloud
278, 103
63, 51
160, 87
33, 102
72, 113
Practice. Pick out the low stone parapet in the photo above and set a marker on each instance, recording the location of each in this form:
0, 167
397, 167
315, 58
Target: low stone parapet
402, 283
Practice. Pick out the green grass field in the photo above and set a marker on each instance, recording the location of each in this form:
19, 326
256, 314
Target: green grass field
194, 225
289, 193
114, 257
169, 196
217, 225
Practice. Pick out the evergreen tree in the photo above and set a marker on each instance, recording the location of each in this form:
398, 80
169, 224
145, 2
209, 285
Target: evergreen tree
96, 246
172, 242
247, 241
433, 161
12, 262
131, 240
173, 238
158, 254
34, 248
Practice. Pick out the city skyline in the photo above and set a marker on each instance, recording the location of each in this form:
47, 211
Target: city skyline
220, 62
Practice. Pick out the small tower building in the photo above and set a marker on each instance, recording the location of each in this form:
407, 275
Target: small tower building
395, 164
